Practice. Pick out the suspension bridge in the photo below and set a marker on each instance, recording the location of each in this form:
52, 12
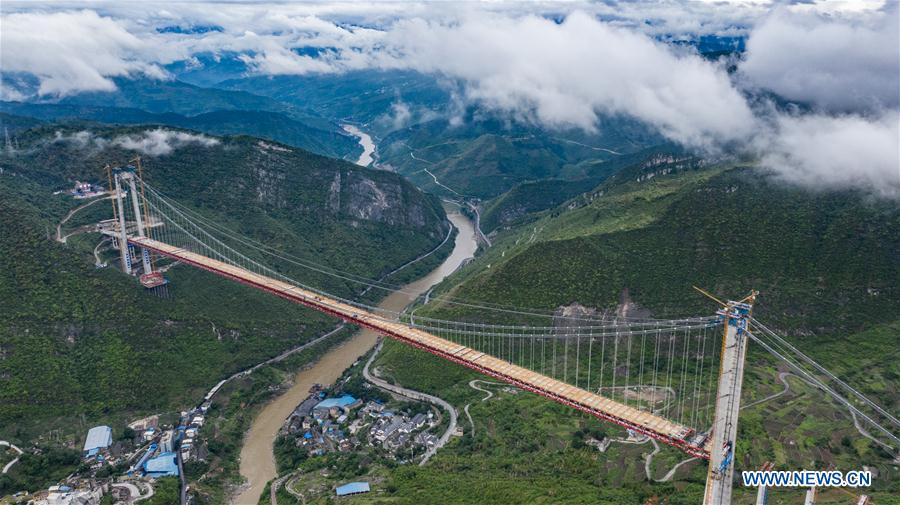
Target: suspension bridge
678, 381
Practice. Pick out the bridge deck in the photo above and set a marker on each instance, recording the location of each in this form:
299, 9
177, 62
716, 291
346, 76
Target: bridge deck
643, 422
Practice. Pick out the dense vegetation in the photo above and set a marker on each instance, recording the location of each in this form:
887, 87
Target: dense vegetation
525, 200
824, 262
418, 125
44, 468
827, 265
84, 343
489, 155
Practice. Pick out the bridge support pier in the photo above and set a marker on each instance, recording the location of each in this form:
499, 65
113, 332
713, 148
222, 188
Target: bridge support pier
122, 176
145, 254
123, 233
720, 476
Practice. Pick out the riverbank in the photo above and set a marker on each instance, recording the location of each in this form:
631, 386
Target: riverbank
257, 462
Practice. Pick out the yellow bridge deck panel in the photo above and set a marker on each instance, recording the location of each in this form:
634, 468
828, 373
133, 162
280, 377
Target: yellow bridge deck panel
480, 360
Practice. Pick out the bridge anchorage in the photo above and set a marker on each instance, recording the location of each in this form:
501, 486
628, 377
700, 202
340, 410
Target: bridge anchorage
662, 379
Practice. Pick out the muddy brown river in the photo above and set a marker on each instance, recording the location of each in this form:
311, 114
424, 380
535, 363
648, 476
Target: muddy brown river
257, 464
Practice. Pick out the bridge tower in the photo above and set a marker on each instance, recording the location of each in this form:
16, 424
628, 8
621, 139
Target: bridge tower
122, 176
122, 237
719, 478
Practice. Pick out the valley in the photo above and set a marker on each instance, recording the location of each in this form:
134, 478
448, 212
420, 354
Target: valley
257, 460
320, 253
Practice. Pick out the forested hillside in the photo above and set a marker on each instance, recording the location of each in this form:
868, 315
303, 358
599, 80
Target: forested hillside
823, 261
419, 125
827, 265
484, 156
314, 136
80, 341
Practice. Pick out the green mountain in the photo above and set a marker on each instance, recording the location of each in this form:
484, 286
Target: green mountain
12, 124
364, 96
662, 226
826, 264
486, 156
160, 96
277, 126
520, 203
423, 133
83, 343
526, 201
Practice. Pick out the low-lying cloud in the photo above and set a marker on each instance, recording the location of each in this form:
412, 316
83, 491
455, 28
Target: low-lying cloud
568, 74
76, 51
835, 65
160, 142
558, 65
836, 152
157, 142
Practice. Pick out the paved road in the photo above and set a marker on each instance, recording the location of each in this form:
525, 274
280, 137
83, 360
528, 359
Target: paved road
671, 473
134, 492
182, 499
478, 224
97, 260
273, 489
59, 236
415, 395
4, 443
787, 387
486, 397
417, 259
276, 359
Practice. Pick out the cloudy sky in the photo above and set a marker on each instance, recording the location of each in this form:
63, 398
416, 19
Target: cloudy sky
558, 64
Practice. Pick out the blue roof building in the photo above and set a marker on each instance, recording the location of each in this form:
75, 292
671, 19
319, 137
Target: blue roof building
342, 401
164, 465
352, 488
98, 437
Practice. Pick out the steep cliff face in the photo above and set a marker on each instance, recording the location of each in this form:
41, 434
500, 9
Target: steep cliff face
337, 189
352, 218
383, 202
234, 173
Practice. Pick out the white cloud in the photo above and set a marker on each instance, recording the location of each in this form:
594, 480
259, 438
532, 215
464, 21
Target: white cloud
837, 64
567, 74
556, 64
160, 142
157, 142
72, 51
400, 115
81, 139
836, 152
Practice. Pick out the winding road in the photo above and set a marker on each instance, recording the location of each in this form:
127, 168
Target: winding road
787, 387
782, 376
6, 467
134, 491
415, 395
486, 397
59, 236
481, 234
